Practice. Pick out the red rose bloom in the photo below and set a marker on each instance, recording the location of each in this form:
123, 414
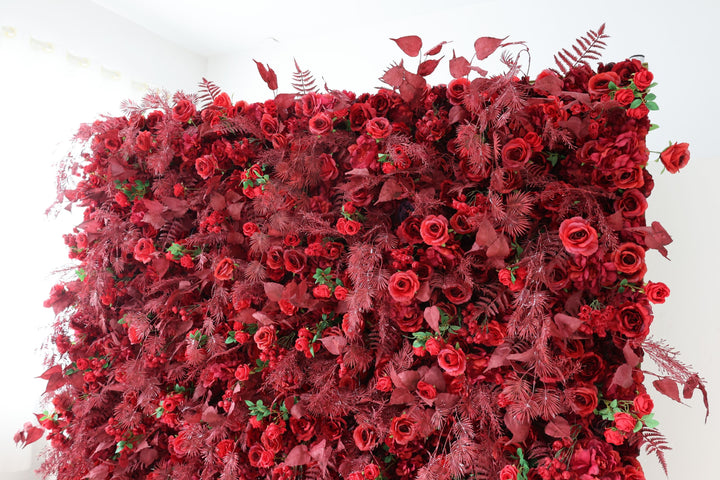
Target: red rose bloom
624, 422
657, 292
224, 447
633, 320
242, 372
578, 236
322, 291
598, 84
426, 391
409, 230
303, 428
205, 166
402, 430
371, 471
509, 472
434, 230
144, 250
144, 141
643, 79
629, 258
264, 337
456, 90
675, 157
452, 361
365, 437
259, 457
582, 399
294, 261
378, 128
643, 405
632, 204
340, 292
384, 384
249, 228
403, 286
224, 269
328, 168
433, 346
183, 111
269, 125
516, 153
320, 124
624, 96
614, 437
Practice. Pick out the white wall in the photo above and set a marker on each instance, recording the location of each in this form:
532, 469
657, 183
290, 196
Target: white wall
346, 46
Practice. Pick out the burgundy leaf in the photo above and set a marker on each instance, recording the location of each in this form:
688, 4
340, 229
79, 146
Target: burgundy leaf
299, 455
409, 379
630, 356
668, 387
459, 66
274, 291
566, 325
391, 190
428, 66
558, 427
154, 216
334, 344
623, 376
51, 372
394, 76
410, 44
692, 383
549, 84
436, 49
434, 376
283, 101
268, 75
485, 46
519, 429
432, 317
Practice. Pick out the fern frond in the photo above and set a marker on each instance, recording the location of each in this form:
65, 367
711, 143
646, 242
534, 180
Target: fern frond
586, 48
209, 91
303, 81
656, 443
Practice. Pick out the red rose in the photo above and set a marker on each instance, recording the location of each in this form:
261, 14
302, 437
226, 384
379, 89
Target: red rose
509, 472
614, 437
322, 291
269, 125
598, 84
205, 166
340, 292
403, 286
355, 476
492, 335
433, 346
259, 457
249, 229
452, 361
409, 230
181, 443
643, 405
264, 337
675, 157
378, 128
582, 399
303, 428
320, 124
456, 90
434, 230
328, 168
222, 101
624, 96
383, 384
144, 141
633, 320
639, 112
224, 447
294, 261
371, 471
630, 258
408, 318
183, 111
516, 153
578, 236
624, 422
274, 258
350, 227
632, 204
643, 79
144, 250
657, 292
402, 429
426, 391
365, 437
224, 269
458, 292
626, 178
242, 372
359, 114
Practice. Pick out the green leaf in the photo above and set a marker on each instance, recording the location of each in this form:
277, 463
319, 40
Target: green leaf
653, 127
652, 106
636, 103
638, 426
612, 86
231, 337
249, 403
650, 97
649, 421
81, 273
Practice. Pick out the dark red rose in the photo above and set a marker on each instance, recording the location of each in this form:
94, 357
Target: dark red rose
509, 472
492, 334
183, 111
320, 124
516, 153
578, 236
112, 140
582, 399
598, 84
408, 318
409, 230
274, 258
624, 422
675, 157
403, 286
359, 114
264, 337
643, 79
144, 141
452, 361
456, 90
144, 250
259, 457
328, 168
643, 405
426, 391
458, 292
632, 204
630, 258
303, 428
269, 125
592, 366
433, 346
434, 230
657, 292
378, 128
627, 69
294, 261
633, 320
371, 471
205, 166
624, 96
461, 224
402, 429
365, 437
224, 269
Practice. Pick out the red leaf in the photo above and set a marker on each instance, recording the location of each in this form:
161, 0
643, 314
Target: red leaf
284, 101
457, 114
549, 84
428, 66
268, 75
498, 249
691, 384
391, 190
100, 472
432, 317
148, 456
566, 325
50, 372
394, 76
434, 376
558, 427
630, 356
28, 434
668, 387
623, 376
299, 455
401, 396
519, 429
411, 44
485, 46
409, 378
334, 344
161, 265
274, 291
459, 66
436, 49
154, 216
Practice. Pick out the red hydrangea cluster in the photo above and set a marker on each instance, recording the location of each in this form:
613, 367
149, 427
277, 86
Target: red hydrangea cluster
423, 282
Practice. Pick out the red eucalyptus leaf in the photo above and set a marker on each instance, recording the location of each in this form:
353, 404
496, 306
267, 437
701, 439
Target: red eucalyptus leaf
432, 317
299, 455
423, 294
436, 49
334, 344
154, 214
391, 190
283, 101
409, 378
566, 325
558, 427
623, 376
29, 434
446, 401
549, 85
435, 377
148, 456
485, 46
321, 452
402, 396
519, 429
100, 472
161, 265
457, 114
692, 383
410, 44
668, 387
268, 75
630, 356
395, 76
459, 66
499, 358
51, 372
428, 66
274, 291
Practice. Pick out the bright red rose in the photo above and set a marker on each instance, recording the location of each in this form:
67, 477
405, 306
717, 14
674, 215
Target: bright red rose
626, 178
624, 422
144, 141
675, 157
242, 372
224, 447
624, 96
629, 258
340, 292
598, 84
259, 457
371, 471
378, 128
365, 437
657, 292
426, 391
633, 320
264, 337
274, 258
205, 166
452, 361
516, 153
614, 437
144, 250
249, 228
582, 399
320, 124
224, 269
578, 236
402, 429
434, 230
403, 286
355, 476
384, 384
183, 111
222, 101
643, 405
509, 472
639, 112
643, 79
632, 204
322, 291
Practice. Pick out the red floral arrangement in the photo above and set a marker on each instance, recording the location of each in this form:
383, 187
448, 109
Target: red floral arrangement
426, 282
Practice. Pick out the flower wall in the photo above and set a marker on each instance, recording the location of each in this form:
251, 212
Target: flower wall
422, 282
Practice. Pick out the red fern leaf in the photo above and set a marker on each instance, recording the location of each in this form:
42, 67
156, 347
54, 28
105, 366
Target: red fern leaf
655, 443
